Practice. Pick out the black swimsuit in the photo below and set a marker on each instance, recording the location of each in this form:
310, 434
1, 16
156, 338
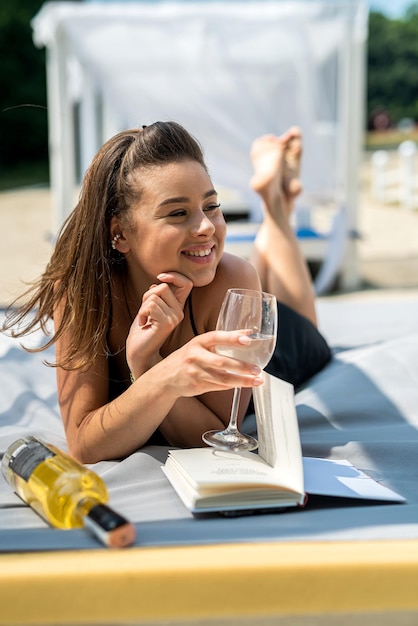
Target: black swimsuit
192, 322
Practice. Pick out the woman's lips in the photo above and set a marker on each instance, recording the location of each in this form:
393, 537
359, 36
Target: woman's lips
200, 255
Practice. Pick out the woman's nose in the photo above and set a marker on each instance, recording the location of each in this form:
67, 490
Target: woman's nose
202, 225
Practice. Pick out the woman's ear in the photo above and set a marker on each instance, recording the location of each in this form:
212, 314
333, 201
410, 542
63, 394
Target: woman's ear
117, 240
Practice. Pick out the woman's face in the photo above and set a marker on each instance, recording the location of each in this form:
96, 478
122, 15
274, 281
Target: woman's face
177, 226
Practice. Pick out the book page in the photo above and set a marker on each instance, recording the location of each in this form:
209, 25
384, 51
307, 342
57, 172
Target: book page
278, 430
208, 468
207, 479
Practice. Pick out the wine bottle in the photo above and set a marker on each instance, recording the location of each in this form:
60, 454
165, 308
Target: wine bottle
62, 491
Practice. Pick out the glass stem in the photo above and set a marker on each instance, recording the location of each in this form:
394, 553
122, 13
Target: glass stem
232, 426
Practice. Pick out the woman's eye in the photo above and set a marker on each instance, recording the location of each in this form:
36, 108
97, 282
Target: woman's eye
178, 213
212, 207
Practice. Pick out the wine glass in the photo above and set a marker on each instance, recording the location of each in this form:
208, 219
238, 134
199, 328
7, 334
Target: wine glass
245, 309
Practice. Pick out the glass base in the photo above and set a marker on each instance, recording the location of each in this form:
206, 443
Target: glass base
226, 440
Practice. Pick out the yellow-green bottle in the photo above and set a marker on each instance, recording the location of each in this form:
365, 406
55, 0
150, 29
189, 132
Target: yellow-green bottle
62, 491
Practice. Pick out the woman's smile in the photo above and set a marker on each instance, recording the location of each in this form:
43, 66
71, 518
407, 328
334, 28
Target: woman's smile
200, 254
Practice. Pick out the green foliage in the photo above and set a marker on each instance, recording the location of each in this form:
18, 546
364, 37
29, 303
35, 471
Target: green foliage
23, 129
393, 65
412, 11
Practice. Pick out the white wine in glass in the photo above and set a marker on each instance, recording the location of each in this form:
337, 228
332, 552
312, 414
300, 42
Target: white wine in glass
256, 311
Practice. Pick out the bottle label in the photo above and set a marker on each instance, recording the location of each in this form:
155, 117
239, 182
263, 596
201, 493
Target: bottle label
27, 458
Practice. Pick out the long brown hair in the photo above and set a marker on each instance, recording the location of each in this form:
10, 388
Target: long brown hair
79, 272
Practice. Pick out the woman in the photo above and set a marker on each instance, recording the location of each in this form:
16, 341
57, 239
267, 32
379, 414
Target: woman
135, 284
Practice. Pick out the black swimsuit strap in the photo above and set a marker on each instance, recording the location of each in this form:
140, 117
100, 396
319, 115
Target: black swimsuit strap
192, 322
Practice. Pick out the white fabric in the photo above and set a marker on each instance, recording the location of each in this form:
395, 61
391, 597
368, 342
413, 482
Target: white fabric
228, 71
362, 407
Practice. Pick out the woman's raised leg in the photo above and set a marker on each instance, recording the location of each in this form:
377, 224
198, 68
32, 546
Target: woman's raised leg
277, 255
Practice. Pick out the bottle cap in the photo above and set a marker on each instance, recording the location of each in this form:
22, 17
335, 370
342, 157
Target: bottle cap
109, 527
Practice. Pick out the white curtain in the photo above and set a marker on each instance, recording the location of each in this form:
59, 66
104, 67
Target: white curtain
228, 72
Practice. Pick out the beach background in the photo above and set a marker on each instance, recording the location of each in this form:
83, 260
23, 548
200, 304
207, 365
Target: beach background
387, 248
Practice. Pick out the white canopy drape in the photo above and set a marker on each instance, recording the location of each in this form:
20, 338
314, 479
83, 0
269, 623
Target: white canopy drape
228, 72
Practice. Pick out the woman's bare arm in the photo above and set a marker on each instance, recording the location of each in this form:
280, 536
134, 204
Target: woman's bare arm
183, 394
97, 429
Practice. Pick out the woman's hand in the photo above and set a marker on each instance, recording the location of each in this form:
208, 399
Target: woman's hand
196, 368
161, 312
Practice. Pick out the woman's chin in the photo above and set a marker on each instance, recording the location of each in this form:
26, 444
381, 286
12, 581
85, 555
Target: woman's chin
203, 280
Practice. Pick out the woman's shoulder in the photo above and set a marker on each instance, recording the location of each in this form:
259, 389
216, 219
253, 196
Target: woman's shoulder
237, 272
232, 272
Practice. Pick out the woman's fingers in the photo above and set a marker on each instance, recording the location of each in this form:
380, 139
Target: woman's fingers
160, 304
160, 313
220, 356
164, 303
179, 284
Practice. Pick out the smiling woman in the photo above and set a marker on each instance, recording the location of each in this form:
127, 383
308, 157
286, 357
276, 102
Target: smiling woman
176, 225
134, 288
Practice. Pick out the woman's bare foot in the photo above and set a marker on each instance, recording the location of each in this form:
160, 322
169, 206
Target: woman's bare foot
276, 163
267, 158
277, 256
292, 163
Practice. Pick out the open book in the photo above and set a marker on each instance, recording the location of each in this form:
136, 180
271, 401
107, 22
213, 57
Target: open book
207, 479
